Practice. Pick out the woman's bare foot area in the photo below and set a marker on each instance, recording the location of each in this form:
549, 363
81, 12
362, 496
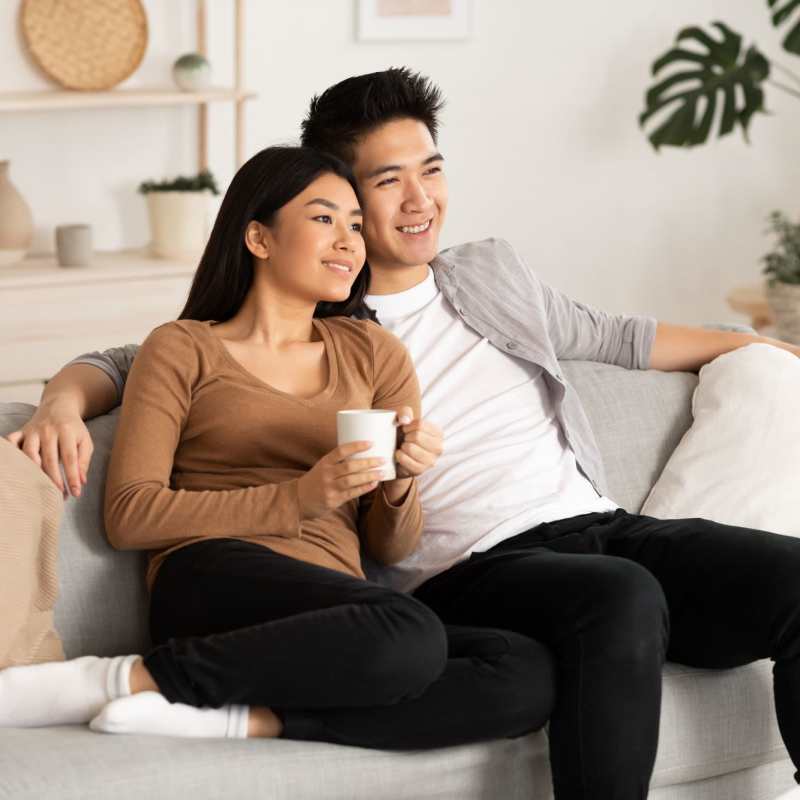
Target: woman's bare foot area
263, 723
141, 680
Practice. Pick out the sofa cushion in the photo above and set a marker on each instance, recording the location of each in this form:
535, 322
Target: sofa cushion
737, 464
102, 604
638, 417
73, 763
713, 722
30, 517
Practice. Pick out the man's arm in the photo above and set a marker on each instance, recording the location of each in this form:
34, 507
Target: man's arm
116, 362
683, 348
83, 389
583, 333
86, 387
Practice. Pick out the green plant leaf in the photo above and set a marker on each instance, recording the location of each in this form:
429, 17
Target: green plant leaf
193, 183
720, 69
783, 262
792, 41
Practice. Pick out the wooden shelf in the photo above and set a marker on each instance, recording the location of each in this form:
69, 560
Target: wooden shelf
60, 99
48, 100
107, 265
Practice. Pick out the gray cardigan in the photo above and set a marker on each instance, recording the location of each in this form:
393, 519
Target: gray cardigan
500, 297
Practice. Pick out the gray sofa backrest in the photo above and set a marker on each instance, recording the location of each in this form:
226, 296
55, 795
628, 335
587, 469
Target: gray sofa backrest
638, 419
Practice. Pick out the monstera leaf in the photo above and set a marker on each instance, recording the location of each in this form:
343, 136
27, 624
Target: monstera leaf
780, 15
705, 76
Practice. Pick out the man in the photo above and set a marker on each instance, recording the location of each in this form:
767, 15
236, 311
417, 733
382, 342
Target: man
518, 532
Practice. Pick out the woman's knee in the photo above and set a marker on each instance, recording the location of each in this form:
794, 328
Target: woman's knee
412, 650
513, 679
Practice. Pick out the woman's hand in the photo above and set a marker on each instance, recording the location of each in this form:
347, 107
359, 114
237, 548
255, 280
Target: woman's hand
422, 444
332, 481
57, 429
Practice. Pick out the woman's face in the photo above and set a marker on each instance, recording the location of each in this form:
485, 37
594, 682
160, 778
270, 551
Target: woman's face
314, 248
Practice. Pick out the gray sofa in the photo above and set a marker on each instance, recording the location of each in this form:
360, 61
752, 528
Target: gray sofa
719, 738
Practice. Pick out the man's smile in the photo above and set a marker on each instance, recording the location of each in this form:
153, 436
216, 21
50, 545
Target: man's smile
416, 229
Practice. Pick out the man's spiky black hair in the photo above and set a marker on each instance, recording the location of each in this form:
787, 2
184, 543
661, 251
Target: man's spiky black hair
348, 110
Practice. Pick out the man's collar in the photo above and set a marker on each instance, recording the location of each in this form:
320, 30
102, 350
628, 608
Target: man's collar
401, 304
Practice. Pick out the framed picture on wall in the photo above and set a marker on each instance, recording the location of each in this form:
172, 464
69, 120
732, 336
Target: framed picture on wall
382, 20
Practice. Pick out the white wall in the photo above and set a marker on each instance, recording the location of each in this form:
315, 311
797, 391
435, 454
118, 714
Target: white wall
540, 135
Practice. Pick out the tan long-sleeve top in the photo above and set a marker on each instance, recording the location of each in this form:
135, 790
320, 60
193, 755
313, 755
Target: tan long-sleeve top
204, 449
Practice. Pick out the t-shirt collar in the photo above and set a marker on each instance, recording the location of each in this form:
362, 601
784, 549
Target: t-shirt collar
401, 304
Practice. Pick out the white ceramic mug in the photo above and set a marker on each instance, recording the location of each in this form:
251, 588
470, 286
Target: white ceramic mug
370, 425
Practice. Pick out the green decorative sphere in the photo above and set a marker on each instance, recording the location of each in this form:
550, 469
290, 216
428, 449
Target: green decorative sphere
192, 72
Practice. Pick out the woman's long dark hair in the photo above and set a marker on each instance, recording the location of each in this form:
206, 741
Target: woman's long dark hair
264, 184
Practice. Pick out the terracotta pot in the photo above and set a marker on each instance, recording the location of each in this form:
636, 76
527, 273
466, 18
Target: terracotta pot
784, 300
178, 223
16, 221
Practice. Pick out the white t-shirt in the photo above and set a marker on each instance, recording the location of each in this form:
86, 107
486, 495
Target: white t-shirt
506, 466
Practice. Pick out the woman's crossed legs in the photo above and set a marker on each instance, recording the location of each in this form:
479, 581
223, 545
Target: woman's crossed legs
317, 654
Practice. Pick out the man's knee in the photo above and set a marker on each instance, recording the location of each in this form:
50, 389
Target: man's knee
630, 606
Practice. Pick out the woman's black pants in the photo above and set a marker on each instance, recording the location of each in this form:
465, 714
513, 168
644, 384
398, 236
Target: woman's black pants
337, 658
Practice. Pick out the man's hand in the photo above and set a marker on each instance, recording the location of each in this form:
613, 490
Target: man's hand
422, 444
56, 429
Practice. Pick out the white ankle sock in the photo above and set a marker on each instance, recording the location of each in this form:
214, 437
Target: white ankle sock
792, 794
151, 712
62, 692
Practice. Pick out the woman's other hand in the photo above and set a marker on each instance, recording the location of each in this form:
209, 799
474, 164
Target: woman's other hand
421, 445
334, 480
56, 429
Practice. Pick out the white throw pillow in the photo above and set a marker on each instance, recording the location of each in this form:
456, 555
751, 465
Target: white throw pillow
739, 462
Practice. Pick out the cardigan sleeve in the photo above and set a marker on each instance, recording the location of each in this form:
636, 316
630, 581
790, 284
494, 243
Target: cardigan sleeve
580, 332
141, 509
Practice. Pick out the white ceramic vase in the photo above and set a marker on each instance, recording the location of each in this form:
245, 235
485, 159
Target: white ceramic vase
16, 221
179, 223
784, 300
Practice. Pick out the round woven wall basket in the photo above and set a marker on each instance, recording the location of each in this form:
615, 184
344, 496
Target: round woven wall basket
90, 45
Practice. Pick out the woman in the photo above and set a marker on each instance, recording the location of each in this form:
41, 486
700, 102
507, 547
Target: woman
225, 468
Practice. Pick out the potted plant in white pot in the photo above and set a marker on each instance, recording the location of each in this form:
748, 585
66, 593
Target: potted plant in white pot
783, 285
179, 212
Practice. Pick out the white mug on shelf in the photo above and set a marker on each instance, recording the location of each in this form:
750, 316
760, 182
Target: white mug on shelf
74, 245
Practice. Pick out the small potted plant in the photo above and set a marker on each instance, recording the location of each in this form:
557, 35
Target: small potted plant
179, 214
783, 285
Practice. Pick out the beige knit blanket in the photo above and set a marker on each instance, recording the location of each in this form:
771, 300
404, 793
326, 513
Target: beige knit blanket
30, 513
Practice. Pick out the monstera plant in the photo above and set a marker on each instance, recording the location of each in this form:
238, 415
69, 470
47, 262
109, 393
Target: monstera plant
710, 70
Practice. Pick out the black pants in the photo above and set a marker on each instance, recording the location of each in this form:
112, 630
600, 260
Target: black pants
613, 596
338, 659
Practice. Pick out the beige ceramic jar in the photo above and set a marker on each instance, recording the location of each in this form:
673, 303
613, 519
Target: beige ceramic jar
16, 221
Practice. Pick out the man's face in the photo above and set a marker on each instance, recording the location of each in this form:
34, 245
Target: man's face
404, 193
